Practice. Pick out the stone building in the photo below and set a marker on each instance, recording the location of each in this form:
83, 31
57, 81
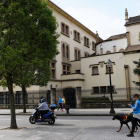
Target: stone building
80, 70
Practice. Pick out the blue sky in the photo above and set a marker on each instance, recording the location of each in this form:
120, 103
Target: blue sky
105, 16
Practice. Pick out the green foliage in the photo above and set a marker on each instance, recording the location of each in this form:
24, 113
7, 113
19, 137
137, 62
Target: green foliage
136, 71
28, 41
27, 35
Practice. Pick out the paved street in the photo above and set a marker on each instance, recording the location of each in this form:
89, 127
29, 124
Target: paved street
98, 111
66, 128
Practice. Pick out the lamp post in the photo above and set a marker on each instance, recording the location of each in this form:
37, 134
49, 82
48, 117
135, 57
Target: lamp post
109, 65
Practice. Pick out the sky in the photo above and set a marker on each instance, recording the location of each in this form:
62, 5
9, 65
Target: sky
105, 16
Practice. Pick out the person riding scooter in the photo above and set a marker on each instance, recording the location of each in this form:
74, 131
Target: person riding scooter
43, 108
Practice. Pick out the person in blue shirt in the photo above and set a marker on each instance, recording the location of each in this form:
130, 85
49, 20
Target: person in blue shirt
136, 115
60, 101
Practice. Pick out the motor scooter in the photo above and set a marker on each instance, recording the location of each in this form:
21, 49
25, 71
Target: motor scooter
48, 117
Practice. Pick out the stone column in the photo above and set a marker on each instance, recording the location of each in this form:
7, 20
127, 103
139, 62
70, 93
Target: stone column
53, 96
78, 97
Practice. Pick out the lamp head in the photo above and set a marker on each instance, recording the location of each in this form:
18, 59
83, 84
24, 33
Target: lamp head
109, 63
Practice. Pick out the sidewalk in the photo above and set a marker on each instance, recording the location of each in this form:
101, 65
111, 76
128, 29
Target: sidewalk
75, 112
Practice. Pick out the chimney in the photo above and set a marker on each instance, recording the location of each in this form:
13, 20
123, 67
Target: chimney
126, 15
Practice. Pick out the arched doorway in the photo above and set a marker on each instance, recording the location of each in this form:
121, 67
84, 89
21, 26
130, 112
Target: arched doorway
70, 96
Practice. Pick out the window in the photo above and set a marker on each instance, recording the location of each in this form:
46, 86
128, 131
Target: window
53, 70
67, 30
107, 69
18, 97
79, 57
77, 54
95, 71
76, 36
93, 46
67, 52
7, 98
1, 98
86, 41
109, 89
63, 50
78, 71
103, 89
95, 89
66, 69
64, 29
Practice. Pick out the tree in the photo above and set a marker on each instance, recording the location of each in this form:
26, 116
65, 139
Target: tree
33, 75
27, 36
136, 71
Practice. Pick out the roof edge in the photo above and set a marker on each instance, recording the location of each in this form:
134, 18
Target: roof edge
58, 9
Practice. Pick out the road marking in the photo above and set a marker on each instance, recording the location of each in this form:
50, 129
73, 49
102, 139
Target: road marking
2, 136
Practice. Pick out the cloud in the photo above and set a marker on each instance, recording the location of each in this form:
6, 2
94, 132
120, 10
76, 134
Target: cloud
101, 21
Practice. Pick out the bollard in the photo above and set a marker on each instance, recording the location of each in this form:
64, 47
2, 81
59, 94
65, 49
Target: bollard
67, 107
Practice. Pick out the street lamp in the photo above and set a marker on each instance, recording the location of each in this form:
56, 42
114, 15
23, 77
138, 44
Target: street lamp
109, 65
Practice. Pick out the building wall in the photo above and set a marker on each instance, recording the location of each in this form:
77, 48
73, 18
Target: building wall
69, 40
108, 46
76, 65
129, 58
118, 76
134, 31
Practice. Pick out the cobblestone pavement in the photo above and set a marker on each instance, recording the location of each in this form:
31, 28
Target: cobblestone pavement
66, 128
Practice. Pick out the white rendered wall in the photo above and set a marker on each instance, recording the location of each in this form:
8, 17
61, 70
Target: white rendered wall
134, 31
60, 18
108, 46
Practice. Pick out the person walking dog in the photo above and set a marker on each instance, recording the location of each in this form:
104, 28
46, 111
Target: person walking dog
60, 103
136, 115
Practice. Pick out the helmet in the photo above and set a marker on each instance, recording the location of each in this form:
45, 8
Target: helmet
42, 100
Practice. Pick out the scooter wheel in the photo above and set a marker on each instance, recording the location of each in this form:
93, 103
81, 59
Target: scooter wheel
52, 121
32, 120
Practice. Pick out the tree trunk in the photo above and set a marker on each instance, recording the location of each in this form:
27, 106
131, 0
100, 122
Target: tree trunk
12, 102
23, 98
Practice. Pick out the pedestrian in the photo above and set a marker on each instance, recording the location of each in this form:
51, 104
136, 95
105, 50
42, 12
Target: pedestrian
64, 102
60, 103
136, 115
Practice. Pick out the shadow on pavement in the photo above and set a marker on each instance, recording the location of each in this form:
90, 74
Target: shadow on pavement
56, 124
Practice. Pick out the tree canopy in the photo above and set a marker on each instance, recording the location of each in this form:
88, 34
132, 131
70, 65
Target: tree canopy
28, 38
